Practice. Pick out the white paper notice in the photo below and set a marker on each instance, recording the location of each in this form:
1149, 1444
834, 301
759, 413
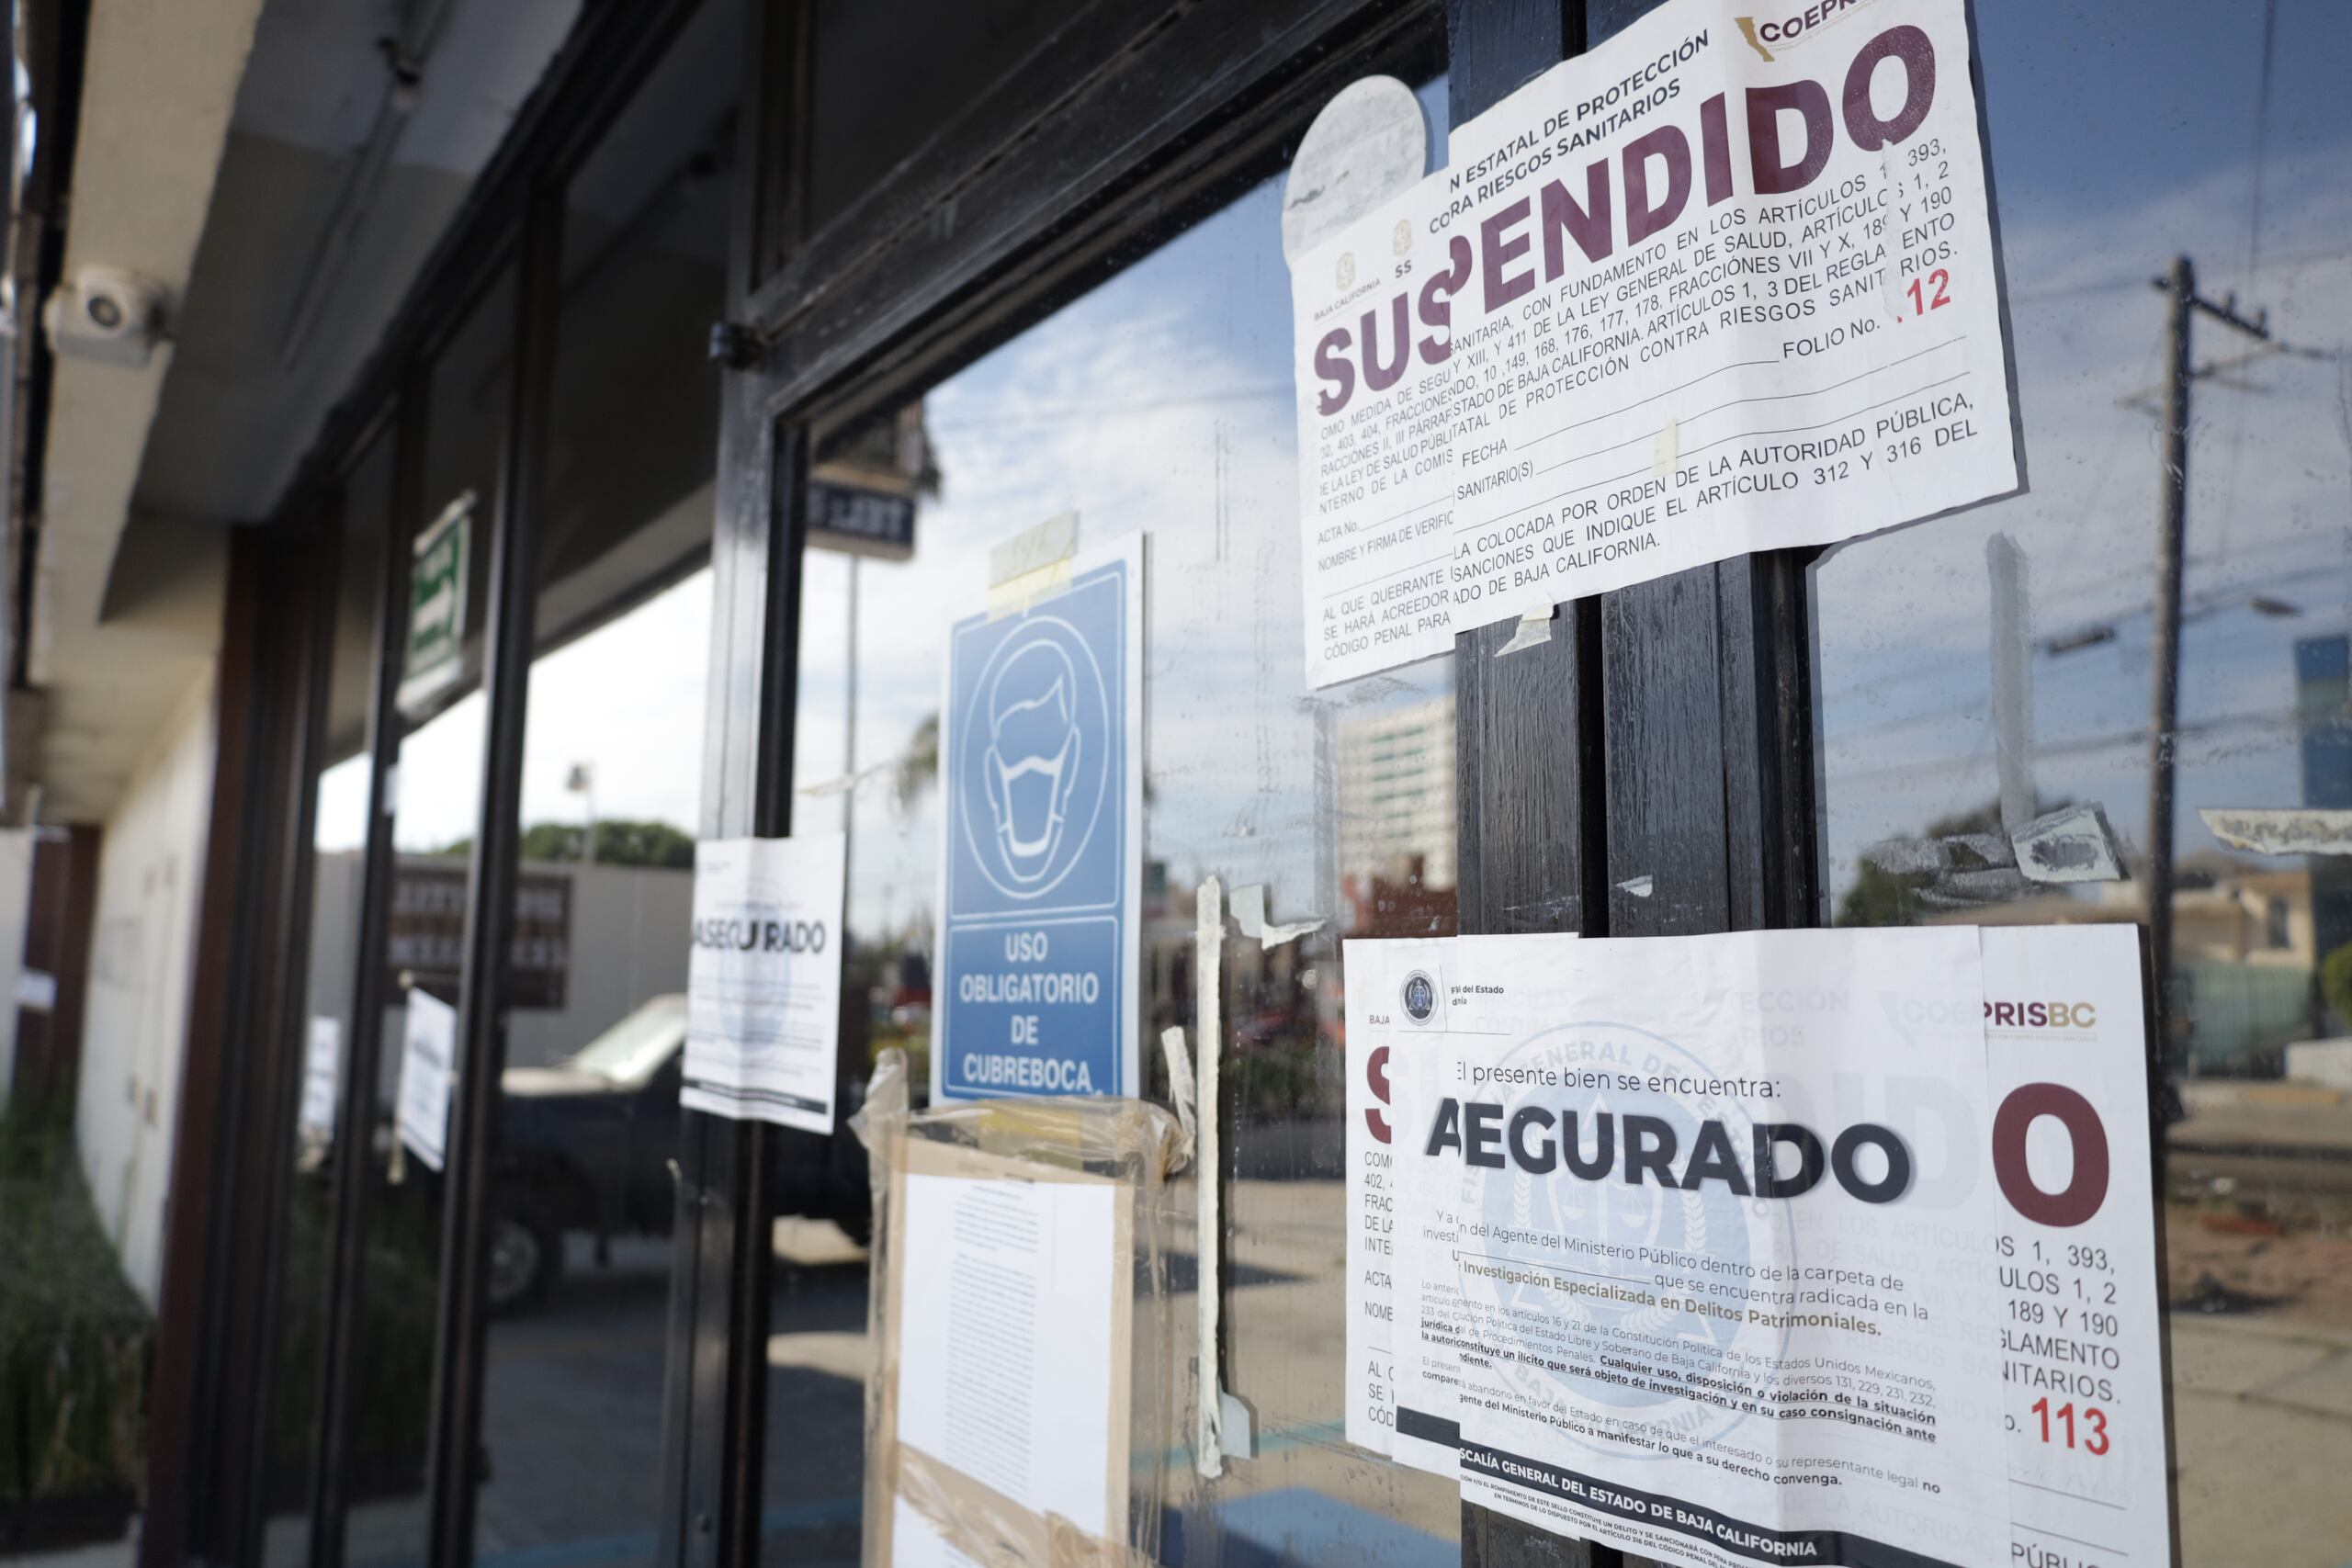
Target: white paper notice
2081, 1346
1397, 1007
1714, 286
428, 1063
1388, 1019
1724, 1246
1005, 1346
322, 1075
764, 980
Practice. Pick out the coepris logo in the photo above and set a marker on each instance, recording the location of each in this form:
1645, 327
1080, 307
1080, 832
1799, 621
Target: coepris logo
2041, 1015
1765, 34
1419, 997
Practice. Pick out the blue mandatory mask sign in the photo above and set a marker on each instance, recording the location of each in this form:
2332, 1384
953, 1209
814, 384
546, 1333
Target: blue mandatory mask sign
1042, 774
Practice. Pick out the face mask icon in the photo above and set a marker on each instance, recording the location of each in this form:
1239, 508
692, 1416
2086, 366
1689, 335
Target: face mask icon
1034, 756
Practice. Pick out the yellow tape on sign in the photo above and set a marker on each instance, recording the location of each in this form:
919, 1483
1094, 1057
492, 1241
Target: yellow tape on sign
1032, 565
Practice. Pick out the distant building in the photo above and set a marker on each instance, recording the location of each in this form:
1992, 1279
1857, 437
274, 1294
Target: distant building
2244, 952
1395, 771
1404, 905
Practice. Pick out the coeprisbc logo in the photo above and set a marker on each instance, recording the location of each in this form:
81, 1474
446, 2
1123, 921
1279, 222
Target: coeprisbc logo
1540, 1140
2041, 1015
1420, 996
1786, 31
719, 934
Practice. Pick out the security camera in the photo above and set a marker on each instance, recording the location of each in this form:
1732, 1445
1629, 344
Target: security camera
105, 314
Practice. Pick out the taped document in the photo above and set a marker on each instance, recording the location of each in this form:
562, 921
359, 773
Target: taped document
1562, 366
1021, 1319
428, 1067
764, 979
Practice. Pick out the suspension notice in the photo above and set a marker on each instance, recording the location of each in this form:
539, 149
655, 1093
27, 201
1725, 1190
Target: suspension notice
1730, 282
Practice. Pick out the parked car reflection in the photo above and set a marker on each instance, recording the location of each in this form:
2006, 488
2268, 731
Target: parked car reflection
589, 1145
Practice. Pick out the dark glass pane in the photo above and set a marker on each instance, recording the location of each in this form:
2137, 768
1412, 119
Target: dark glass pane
339, 807
436, 801
1987, 682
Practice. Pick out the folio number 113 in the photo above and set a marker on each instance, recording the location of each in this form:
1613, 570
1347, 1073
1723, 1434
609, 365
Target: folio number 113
1935, 296
2094, 1441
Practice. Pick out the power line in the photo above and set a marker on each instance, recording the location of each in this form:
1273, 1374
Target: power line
2137, 278
2261, 139
1951, 763
2222, 595
2215, 650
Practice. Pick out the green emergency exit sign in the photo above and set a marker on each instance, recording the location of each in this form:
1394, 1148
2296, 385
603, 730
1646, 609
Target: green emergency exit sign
436, 606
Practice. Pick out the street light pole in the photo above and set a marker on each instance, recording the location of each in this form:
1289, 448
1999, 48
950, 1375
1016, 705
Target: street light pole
582, 782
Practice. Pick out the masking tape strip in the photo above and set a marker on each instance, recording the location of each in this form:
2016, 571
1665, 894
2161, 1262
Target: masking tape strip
1250, 914
2073, 844
2281, 830
1180, 1077
1032, 565
1669, 449
842, 784
1208, 1165
982, 1526
1534, 631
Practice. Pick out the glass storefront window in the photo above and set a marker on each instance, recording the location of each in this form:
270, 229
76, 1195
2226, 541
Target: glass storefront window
435, 805
1987, 685
339, 830
1159, 402
580, 1197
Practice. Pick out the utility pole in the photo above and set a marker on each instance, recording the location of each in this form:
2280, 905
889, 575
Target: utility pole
2012, 680
2182, 303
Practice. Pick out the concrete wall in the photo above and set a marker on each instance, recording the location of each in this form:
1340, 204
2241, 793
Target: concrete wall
134, 1030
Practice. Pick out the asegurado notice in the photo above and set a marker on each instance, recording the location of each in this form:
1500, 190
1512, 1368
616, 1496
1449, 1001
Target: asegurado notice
1728, 283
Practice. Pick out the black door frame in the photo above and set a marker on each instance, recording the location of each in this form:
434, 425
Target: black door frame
1679, 795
